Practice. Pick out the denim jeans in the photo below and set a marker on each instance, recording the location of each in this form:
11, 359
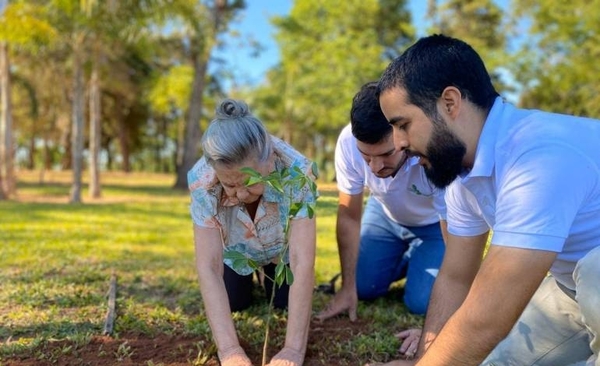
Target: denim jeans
556, 329
389, 252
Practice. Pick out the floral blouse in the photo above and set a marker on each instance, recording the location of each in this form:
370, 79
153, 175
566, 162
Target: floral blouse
262, 239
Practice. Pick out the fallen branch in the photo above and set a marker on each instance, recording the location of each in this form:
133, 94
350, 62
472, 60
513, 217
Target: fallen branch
111, 314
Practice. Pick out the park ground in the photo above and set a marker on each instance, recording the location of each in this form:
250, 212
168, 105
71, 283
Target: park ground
57, 259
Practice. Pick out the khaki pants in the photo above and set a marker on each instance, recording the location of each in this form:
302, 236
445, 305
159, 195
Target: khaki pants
555, 329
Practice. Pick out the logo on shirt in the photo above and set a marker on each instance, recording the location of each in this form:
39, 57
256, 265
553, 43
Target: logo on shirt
413, 188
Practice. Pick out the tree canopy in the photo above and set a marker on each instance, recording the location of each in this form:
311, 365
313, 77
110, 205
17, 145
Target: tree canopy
106, 84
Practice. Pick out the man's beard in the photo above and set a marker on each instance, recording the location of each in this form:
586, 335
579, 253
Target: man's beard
445, 152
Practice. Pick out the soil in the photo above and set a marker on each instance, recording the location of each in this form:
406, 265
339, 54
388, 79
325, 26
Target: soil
167, 350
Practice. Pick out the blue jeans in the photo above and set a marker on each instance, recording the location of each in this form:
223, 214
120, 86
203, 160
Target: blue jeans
389, 252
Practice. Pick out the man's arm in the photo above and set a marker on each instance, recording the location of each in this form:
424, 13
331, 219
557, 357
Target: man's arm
507, 280
444, 229
348, 239
462, 259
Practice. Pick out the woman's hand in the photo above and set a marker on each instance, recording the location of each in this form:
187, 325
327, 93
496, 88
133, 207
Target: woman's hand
393, 363
410, 341
234, 357
287, 357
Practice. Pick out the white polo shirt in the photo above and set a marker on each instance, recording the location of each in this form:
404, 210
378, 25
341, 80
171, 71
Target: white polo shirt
536, 183
408, 198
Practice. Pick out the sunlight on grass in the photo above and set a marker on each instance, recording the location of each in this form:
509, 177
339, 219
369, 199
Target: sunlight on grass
57, 260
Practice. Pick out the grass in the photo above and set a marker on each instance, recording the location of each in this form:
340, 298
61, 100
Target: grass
56, 260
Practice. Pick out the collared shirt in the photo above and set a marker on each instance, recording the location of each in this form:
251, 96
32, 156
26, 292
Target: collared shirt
536, 183
261, 240
408, 198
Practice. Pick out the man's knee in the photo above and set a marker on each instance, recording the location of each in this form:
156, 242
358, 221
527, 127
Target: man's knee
587, 268
417, 303
587, 280
369, 291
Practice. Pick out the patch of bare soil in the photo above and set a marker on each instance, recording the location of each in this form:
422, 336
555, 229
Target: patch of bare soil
166, 350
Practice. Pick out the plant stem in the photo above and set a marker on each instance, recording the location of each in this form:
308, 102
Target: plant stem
269, 316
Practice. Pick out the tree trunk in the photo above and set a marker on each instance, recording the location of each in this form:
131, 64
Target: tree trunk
193, 133
95, 131
200, 57
78, 121
32, 151
7, 177
180, 143
109, 155
124, 145
66, 162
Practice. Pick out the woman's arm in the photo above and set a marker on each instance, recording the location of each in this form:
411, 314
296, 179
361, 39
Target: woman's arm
302, 242
209, 264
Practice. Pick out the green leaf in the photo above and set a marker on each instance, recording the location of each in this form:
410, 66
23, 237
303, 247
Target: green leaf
252, 263
311, 210
285, 173
277, 186
239, 260
251, 172
315, 169
240, 263
233, 255
275, 176
289, 276
253, 180
280, 273
297, 170
294, 208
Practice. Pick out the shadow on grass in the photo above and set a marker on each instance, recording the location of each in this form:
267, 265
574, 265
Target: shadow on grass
56, 189
50, 329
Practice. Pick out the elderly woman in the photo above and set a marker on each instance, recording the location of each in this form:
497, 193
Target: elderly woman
230, 215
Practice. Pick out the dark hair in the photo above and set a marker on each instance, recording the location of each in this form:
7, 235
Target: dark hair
369, 125
433, 63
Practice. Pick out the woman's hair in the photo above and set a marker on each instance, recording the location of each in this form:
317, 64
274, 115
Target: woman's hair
235, 135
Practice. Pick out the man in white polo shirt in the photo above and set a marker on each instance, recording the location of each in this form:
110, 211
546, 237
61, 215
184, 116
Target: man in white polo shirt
531, 177
399, 234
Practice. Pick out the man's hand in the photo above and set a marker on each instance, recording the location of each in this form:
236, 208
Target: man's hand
344, 300
410, 341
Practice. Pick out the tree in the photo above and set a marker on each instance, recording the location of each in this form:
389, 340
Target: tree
95, 130
77, 121
479, 23
328, 50
204, 22
557, 58
7, 178
19, 27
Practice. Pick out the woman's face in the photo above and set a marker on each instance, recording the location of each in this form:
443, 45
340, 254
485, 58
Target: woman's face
233, 181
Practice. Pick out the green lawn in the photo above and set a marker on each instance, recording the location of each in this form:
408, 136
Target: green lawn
56, 261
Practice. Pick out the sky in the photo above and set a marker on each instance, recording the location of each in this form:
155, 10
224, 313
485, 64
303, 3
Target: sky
255, 23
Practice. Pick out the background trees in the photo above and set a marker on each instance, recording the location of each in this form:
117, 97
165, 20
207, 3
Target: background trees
128, 85
328, 50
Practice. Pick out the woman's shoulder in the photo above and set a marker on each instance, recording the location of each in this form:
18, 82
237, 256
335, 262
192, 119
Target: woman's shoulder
291, 157
202, 176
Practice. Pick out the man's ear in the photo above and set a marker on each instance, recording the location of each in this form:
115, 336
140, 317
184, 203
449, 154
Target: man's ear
450, 102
